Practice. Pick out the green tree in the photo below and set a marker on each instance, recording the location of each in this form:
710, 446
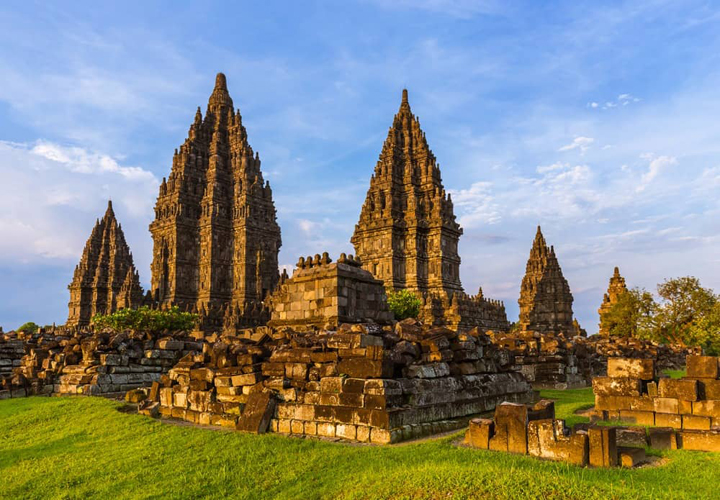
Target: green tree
145, 319
631, 315
29, 327
705, 331
404, 304
684, 306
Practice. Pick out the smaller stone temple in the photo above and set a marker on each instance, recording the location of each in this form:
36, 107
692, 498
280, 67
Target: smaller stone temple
105, 280
407, 235
545, 298
616, 288
323, 294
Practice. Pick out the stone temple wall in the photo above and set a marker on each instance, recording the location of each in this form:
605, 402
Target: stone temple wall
689, 407
325, 293
551, 360
89, 363
360, 382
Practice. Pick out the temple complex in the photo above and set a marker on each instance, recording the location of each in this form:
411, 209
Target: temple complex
545, 298
105, 279
407, 235
215, 234
616, 288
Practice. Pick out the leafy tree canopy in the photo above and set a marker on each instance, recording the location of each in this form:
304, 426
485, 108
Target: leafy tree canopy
404, 304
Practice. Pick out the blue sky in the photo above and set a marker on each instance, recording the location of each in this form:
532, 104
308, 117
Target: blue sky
599, 122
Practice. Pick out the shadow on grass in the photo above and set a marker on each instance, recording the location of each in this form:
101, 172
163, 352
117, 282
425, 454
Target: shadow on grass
48, 448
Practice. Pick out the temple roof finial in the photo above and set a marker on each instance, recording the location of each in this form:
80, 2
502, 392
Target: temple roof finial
221, 81
405, 96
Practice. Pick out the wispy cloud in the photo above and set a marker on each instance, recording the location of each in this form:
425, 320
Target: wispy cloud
580, 143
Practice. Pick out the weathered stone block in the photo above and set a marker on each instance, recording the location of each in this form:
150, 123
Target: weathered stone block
479, 432
668, 420
346, 431
709, 388
662, 438
638, 417
543, 409
603, 446
694, 422
684, 389
702, 366
630, 457
616, 386
706, 408
326, 429
510, 428
246, 379
666, 405
701, 441
365, 368
257, 413
643, 369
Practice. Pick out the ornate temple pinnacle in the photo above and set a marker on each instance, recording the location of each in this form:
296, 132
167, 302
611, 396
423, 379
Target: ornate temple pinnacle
221, 81
405, 97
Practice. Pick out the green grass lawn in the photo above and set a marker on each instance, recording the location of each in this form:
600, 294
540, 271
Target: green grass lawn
83, 447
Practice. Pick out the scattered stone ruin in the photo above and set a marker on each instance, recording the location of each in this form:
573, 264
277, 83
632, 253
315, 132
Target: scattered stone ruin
687, 409
322, 293
554, 361
407, 235
533, 430
545, 298
616, 288
67, 361
215, 234
105, 280
360, 382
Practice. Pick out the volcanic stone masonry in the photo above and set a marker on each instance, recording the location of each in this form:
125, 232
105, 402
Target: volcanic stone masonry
215, 234
323, 294
407, 234
616, 288
550, 360
533, 430
68, 361
545, 298
686, 411
360, 382
105, 280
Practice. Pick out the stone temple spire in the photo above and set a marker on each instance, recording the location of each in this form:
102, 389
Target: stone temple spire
545, 298
105, 274
407, 234
616, 288
215, 234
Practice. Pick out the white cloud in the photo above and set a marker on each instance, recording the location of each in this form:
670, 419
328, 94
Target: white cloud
54, 193
655, 165
581, 143
621, 100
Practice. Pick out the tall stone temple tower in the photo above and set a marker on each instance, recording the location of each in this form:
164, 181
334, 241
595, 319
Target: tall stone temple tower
545, 298
616, 288
407, 235
215, 234
105, 280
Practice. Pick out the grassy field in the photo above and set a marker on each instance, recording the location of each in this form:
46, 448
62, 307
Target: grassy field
85, 447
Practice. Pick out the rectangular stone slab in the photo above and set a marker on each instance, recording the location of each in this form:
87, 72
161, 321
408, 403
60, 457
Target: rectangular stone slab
643, 369
257, 413
684, 389
617, 386
603, 446
479, 433
702, 366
